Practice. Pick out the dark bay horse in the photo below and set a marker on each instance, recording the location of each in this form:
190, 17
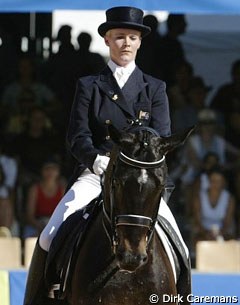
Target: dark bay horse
122, 260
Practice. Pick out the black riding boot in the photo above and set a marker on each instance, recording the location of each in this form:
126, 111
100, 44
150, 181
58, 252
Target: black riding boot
35, 283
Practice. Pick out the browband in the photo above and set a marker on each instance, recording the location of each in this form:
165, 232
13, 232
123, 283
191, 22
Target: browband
140, 164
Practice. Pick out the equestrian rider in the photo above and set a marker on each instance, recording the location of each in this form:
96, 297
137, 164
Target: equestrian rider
120, 94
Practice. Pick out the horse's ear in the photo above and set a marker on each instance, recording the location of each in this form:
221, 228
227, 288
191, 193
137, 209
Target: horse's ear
120, 137
169, 143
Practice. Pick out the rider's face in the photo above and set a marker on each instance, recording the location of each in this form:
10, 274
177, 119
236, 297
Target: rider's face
123, 45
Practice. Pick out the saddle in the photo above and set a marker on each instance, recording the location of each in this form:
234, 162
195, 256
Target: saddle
61, 258
183, 262
70, 237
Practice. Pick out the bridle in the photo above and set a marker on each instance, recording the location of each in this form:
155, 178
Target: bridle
111, 222
140, 164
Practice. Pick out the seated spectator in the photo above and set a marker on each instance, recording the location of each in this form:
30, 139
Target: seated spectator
148, 59
178, 91
87, 62
14, 96
227, 103
171, 51
9, 170
64, 37
209, 162
8, 179
34, 145
60, 72
43, 197
214, 210
6, 205
204, 141
195, 99
17, 121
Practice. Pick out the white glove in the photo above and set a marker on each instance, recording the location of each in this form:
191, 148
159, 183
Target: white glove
100, 164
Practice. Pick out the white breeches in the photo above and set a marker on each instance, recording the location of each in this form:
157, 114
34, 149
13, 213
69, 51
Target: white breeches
85, 189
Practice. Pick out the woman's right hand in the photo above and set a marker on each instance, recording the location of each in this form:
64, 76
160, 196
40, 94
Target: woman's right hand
100, 164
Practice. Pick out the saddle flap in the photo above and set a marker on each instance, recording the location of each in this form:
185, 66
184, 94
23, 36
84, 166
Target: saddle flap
185, 264
66, 244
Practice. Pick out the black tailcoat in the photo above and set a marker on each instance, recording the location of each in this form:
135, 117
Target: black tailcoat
99, 99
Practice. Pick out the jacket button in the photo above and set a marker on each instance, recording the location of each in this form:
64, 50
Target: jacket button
107, 137
108, 154
108, 122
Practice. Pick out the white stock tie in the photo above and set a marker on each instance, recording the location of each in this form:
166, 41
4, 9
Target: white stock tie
121, 76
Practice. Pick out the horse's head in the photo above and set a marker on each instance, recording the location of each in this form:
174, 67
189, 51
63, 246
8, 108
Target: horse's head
134, 183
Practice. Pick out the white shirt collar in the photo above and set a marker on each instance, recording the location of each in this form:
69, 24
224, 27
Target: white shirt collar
118, 70
126, 70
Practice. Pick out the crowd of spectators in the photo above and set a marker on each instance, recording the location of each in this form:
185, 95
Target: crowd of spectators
34, 112
35, 101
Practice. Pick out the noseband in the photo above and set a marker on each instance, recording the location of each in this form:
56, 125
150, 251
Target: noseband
110, 223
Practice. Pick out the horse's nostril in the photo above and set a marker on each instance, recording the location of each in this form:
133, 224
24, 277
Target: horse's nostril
144, 258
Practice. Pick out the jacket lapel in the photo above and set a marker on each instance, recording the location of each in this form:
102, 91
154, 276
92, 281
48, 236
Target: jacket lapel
136, 95
134, 85
109, 86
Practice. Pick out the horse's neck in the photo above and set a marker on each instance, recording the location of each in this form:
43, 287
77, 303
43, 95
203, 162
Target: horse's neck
160, 257
96, 235
96, 248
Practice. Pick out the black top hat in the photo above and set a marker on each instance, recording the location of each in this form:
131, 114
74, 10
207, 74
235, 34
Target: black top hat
124, 17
